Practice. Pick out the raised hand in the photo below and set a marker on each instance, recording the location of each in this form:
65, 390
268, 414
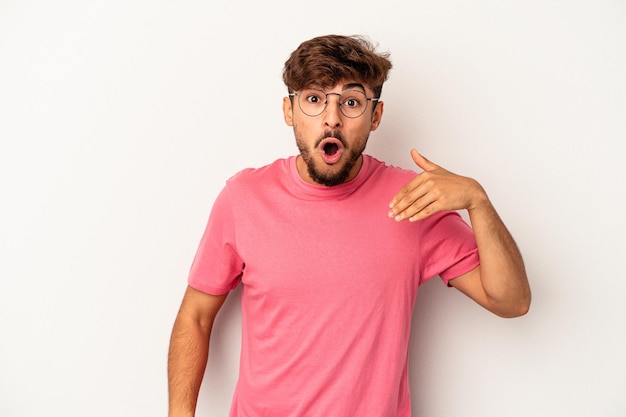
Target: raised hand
434, 190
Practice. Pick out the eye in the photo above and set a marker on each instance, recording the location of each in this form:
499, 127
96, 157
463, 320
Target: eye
351, 102
353, 99
314, 98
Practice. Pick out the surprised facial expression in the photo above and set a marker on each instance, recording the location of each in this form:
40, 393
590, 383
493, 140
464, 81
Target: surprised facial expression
331, 144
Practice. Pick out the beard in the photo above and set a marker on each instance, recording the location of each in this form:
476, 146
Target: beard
325, 175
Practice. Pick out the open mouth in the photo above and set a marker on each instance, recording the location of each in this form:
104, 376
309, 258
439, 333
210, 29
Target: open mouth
331, 150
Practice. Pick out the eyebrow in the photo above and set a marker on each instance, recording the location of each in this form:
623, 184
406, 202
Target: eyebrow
346, 87
353, 86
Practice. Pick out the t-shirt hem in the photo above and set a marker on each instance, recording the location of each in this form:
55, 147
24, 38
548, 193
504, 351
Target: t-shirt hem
209, 289
463, 266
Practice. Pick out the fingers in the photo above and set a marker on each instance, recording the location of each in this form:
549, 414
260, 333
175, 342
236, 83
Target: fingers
417, 199
413, 197
422, 162
420, 197
413, 202
434, 190
414, 212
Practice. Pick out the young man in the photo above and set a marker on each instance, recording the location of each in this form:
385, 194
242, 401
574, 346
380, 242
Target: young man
330, 247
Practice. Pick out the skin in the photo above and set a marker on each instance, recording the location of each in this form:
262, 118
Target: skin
499, 284
189, 350
354, 132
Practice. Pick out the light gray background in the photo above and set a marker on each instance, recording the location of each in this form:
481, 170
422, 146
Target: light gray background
121, 120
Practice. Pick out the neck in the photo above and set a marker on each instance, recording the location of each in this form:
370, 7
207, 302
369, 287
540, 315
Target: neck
307, 176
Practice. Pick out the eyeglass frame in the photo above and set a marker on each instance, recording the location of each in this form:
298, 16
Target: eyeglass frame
375, 100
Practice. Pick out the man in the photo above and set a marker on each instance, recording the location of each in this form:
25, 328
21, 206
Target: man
330, 247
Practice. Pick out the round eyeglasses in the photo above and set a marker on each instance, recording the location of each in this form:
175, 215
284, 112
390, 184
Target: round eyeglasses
352, 103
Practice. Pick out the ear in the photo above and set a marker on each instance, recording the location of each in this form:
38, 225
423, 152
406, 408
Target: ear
377, 116
288, 111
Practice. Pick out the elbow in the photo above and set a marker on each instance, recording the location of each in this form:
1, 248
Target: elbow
515, 312
518, 308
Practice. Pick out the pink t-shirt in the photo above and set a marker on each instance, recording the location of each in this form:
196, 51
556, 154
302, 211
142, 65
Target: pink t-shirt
328, 287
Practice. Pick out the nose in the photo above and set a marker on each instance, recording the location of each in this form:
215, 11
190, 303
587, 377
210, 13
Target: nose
332, 113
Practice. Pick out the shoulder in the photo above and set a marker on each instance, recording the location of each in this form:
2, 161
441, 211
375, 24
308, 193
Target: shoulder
252, 177
386, 173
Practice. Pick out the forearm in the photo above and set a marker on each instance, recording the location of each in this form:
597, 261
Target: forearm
188, 354
499, 283
502, 271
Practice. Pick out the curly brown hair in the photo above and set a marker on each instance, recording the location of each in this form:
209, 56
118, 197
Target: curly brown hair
325, 61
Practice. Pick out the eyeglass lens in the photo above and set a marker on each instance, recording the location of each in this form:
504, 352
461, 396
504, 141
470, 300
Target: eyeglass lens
352, 103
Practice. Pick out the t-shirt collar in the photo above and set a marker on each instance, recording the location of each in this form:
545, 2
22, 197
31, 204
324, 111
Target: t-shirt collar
317, 191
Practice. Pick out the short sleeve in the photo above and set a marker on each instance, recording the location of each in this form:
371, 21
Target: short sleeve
217, 267
448, 247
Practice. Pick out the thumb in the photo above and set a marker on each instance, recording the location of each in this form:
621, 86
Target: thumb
422, 162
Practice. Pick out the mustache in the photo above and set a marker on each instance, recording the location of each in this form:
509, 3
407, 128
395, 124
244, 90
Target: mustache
331, 134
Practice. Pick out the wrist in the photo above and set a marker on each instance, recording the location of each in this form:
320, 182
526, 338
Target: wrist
479, 199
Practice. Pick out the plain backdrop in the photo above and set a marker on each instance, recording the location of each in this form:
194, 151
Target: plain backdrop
121, 120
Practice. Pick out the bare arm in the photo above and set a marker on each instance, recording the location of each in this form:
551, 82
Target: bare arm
499, 283
189, 350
